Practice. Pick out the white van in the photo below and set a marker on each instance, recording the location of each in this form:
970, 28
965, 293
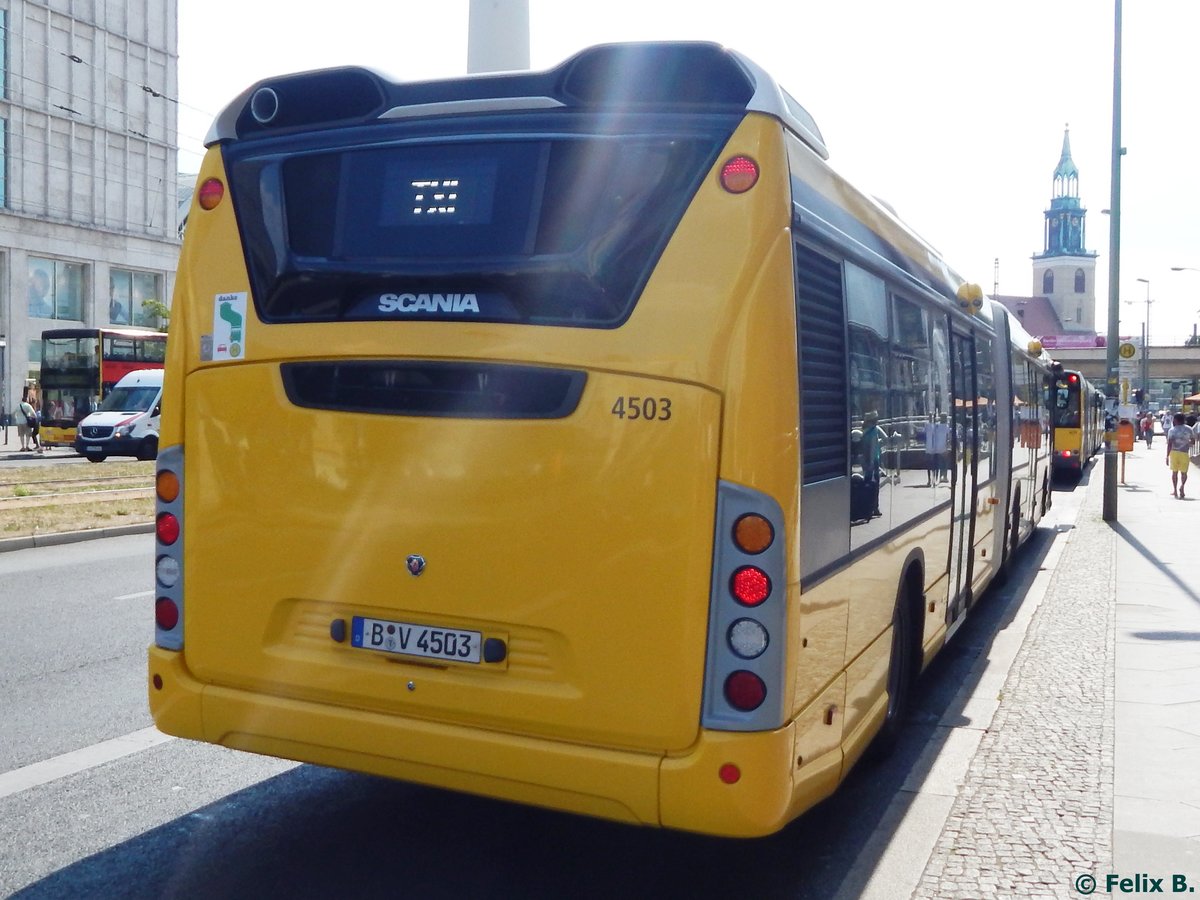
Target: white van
126, 424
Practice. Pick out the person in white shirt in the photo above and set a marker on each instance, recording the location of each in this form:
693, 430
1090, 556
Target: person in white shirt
1179, 446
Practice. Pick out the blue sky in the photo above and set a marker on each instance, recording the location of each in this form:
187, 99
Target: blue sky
951, 110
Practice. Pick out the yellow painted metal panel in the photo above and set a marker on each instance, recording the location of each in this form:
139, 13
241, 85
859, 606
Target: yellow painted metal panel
584, 543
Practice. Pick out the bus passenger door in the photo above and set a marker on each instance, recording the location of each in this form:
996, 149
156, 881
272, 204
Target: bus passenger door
963, 480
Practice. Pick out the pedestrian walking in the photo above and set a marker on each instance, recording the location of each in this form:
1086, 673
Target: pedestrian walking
1148, 430
29, 415
22, 425
1179, 445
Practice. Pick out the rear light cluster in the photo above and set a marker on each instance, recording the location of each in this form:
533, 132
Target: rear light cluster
168, 556
747, 614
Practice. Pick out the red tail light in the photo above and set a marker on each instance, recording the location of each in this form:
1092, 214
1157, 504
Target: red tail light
166, 613
166, 526
750, 586
745, 690
739, 174
210, 193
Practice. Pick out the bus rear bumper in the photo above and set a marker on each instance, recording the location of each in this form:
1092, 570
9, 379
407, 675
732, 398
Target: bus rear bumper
684, 792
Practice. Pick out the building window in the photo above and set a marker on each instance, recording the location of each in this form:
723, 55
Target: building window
3, 53
55, 289
1048, 282
1080, 281
127, 291
3, 162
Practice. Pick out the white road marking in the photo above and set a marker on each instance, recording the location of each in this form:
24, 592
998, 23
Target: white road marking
81, 760
140, 595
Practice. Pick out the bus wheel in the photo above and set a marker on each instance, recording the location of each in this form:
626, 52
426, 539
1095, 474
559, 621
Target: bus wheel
148, 449
905, 664
96, 457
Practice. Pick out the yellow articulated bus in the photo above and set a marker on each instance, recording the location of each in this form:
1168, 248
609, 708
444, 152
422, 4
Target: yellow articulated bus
577, 438
1078, 418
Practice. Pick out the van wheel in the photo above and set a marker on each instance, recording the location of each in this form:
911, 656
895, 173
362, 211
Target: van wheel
148, 449
905, 664
97, 457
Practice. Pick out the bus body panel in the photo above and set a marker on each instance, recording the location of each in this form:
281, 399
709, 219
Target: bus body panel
783, 772
1068, 447
564, 552
614, 784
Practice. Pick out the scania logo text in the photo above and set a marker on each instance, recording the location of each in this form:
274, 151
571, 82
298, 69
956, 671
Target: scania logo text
428, 303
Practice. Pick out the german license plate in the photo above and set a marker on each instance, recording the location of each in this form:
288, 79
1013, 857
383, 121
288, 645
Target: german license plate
407, 639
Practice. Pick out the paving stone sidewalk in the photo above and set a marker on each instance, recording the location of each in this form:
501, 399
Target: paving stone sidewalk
1035, 811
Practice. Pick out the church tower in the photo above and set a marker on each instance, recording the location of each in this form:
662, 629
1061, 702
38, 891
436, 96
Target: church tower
1065, 272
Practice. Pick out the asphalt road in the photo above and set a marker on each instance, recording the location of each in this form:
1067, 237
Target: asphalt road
129, 813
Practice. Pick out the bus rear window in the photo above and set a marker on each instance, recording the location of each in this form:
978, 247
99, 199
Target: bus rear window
561, 229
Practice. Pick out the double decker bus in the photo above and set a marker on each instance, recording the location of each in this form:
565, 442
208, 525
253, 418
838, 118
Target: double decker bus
569, 438
81, 365
1078, 416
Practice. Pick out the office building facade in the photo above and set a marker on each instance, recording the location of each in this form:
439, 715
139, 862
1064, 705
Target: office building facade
88, 199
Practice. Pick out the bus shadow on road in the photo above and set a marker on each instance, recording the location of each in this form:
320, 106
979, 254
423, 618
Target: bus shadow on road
315, 832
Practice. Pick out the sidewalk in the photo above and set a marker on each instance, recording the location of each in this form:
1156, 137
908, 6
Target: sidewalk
13, 451
1090, 766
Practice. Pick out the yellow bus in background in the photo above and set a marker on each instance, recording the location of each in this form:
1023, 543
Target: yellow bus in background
577, 438
1077, 413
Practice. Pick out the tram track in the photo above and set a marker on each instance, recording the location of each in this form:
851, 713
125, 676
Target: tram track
35, 500
32, 503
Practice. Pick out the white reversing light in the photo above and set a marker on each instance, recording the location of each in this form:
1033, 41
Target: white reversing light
748, 639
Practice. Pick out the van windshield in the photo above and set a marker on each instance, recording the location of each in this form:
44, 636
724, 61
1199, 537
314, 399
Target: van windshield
129, 399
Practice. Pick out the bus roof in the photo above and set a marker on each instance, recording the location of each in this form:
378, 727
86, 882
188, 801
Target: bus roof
106, 331
697, 76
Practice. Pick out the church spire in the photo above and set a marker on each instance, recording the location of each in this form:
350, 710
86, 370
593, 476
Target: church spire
1066, 215
1066, 176
1065, 271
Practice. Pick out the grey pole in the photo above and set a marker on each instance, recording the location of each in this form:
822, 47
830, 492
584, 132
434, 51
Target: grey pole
498, 36
1114, 283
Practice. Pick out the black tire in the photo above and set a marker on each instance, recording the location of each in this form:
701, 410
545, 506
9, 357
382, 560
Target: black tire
905, 663
97, 457
148, 449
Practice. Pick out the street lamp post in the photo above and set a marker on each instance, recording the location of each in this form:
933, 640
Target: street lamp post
1146, 342
1114, 280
